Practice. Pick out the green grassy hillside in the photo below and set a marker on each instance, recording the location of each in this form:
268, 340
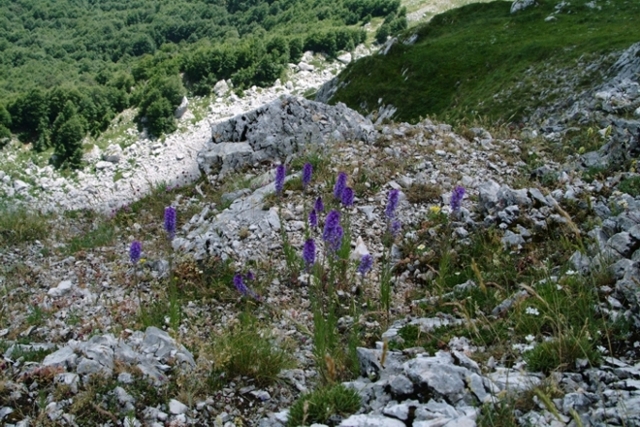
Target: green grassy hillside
463, 57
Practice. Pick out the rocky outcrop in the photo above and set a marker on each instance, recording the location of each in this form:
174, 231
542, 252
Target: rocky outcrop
278, 130
613, 106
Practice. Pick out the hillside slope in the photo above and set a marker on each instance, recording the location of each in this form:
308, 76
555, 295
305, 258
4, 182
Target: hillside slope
481, 60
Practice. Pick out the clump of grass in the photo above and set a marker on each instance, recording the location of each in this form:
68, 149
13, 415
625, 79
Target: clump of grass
561, 353
503, 412
18, 225
207, 279
423, 193
319, 405
631, 186
247, 349
103, 235
498, 415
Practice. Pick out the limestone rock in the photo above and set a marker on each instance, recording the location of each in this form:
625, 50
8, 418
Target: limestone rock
279, 129
182, 108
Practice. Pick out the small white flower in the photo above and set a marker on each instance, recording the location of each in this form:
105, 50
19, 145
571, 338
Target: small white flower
530, 338
571, 273
533, 311
602, 349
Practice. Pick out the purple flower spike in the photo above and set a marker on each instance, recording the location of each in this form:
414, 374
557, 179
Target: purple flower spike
309, 253
341, 184
330, 224
456, 198
238, 282
392, 204
250, 275
307, 170
170, 221
396, 227
319, 206
347, 197
281, 172
336, 238
135, 251
313, 218
366, 262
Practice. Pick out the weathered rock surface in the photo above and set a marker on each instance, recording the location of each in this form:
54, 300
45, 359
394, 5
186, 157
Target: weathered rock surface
278, 130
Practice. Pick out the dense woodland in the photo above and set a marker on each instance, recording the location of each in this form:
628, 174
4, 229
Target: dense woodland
67, 67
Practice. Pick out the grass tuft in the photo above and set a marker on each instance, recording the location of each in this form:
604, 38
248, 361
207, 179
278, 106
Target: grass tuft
21, 226
631, 186
249, 350
319, 405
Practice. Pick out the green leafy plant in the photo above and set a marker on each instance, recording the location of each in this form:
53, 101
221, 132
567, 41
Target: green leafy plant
319, 405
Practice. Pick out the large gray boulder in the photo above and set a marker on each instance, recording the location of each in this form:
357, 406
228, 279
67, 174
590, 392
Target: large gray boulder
280, 129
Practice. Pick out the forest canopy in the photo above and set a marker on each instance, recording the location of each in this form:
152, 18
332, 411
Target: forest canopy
73, 65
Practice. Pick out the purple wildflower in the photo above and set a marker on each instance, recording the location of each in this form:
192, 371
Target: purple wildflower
396, 227
330, 224
313, 218
238, 282
309, 253
335, 241
135, 251
249, 275
307, 170
281, 172
392, 204
170, 221
319, 206
456, 198
347, 197
341, 184
366, 262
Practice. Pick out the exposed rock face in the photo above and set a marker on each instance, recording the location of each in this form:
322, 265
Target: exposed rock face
279, 129
182, 108
611, 106
149, 352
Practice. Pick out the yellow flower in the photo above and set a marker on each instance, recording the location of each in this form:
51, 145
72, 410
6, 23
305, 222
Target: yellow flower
435, 209
421, 247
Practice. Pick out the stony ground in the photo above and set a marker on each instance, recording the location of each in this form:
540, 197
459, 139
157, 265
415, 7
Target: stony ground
89, 338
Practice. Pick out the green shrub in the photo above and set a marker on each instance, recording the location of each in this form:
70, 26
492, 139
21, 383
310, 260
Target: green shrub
69, 129
319, 405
